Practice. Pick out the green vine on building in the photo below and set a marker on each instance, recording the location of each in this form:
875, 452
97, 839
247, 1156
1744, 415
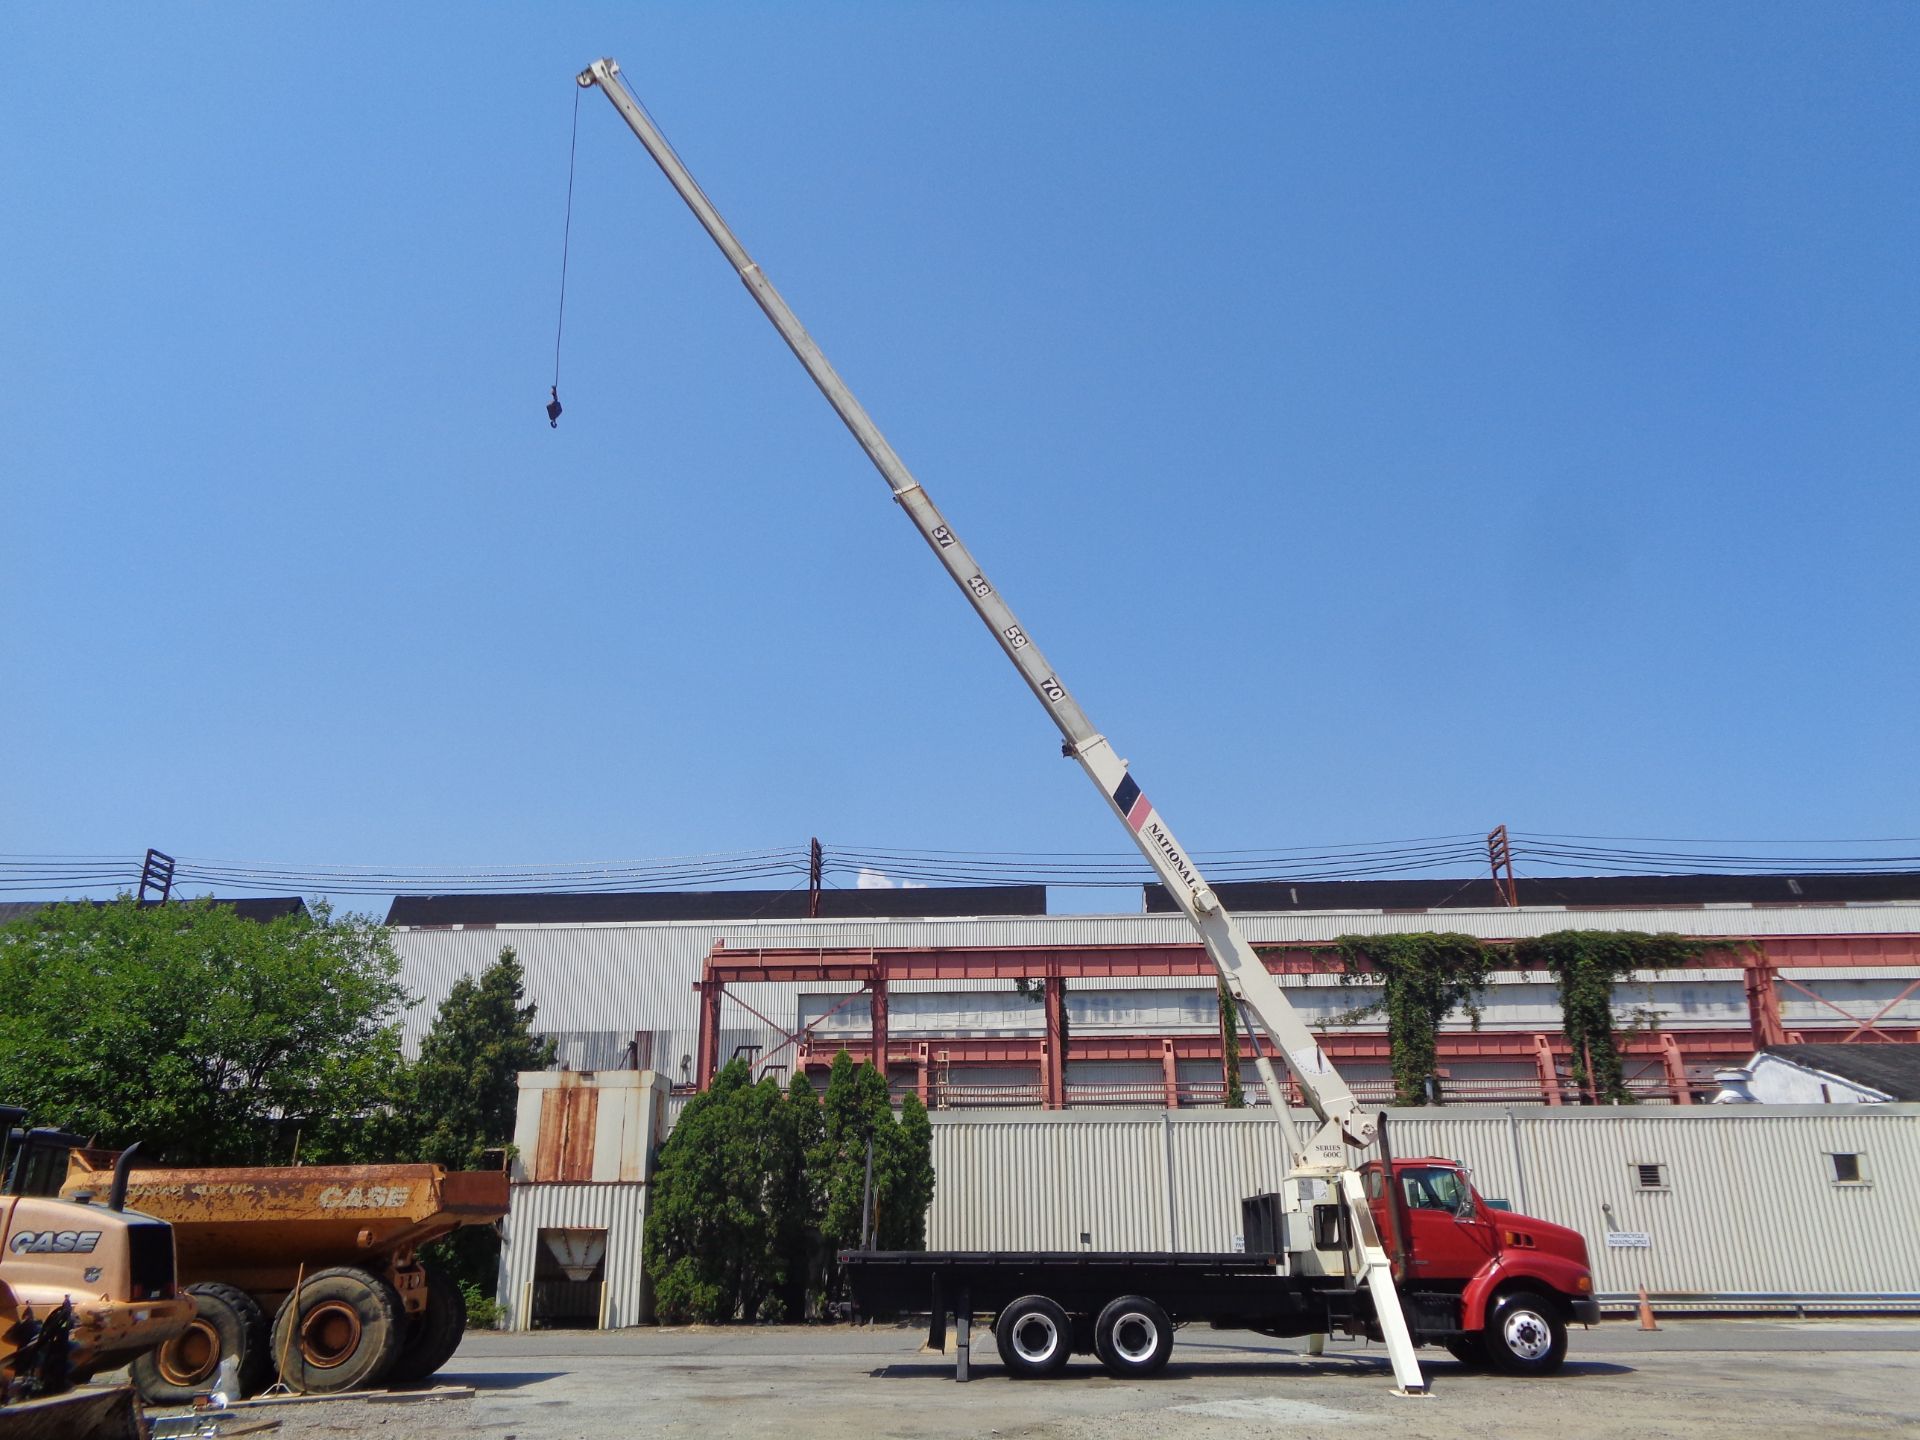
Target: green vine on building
1586, 963
1236, 1091
1423, 978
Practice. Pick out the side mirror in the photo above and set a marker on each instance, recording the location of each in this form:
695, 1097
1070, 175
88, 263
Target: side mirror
1467, 1210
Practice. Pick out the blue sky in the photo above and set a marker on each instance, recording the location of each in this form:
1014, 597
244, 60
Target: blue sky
1392, 420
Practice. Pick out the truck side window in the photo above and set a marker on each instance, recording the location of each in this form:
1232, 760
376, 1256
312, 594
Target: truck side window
1432, 1188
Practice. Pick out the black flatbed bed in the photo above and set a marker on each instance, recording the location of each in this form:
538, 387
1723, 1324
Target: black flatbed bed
1223, 1288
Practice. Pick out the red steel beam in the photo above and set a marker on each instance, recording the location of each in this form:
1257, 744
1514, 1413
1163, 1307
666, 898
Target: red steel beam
1659, 1048
1079, 962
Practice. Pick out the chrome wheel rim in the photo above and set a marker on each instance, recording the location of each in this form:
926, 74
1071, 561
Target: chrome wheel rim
1035, 1338
1135, 1337
1527, 1335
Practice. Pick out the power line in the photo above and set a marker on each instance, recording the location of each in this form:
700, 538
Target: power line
1539, 854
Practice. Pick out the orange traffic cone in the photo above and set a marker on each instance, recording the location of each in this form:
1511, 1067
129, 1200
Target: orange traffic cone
1646, 1312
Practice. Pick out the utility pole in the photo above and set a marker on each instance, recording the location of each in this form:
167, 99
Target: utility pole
156, 873
1500, 857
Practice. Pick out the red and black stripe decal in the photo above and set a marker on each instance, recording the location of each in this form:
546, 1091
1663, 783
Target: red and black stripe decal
1132, 804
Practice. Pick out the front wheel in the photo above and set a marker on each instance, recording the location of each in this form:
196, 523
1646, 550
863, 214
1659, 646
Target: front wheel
227, 1324
1035, 1337
1525, 1334
1133, 1337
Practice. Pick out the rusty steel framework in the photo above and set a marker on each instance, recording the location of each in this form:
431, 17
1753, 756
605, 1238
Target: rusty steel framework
1673, 1064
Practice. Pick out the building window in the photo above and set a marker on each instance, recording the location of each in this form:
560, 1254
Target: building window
1650, 1177
1846, 1169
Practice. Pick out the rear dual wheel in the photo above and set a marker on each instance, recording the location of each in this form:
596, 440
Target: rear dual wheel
1035, 1337
434, 1333
1133, 1337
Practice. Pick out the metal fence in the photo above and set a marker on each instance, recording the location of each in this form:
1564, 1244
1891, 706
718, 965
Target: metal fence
1733, 1207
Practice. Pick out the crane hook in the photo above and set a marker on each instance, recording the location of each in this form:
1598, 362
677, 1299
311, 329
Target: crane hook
553, 408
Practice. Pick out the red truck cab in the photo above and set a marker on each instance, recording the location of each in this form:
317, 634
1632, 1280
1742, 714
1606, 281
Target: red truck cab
1511, 1284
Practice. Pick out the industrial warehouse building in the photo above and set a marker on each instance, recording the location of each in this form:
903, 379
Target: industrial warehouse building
681, 983
1126, 1146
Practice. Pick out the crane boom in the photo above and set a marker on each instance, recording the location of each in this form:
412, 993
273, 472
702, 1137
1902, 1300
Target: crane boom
1247, 979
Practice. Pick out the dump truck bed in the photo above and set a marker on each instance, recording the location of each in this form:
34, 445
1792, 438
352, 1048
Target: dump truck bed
252, 1227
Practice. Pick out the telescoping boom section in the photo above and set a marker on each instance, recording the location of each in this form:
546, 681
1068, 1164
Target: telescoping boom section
1353, 1251
1343, 1120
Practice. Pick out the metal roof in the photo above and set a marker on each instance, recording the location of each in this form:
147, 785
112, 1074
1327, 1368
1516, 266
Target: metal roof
1893, 1070
1643, 891
536, 908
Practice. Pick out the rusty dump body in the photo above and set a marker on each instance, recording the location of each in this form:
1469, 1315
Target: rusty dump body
256, 1227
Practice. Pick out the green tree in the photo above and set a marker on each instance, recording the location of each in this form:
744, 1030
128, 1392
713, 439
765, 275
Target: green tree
694, 1216
793, 1200
854, 1111
1586, 963
730, 1202
905, 1218
1423, 978
211, 1039
464, 1089
458, 1100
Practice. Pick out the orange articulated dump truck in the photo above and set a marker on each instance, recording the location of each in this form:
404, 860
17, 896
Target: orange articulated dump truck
368, 1309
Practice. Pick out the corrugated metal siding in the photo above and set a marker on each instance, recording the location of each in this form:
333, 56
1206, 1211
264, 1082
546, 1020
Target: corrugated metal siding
1750, 1208
619, 1209
1049, 1184
1750, 1205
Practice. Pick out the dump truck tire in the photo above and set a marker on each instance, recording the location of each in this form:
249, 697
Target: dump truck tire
345, 1334
226, 1322
434, 1334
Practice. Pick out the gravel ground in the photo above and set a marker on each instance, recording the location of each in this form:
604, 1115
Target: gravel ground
1693, 1378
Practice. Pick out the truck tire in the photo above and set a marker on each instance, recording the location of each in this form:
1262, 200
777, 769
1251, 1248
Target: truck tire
434, 1334
1035, 1337
1133, 1337
345, 1336
1469, 1350
1525, 1334
226, 1322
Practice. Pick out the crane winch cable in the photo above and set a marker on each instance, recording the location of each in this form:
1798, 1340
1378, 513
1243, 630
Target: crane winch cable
566, 244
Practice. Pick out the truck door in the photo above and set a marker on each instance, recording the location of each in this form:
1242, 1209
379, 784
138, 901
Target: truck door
1449, 1234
